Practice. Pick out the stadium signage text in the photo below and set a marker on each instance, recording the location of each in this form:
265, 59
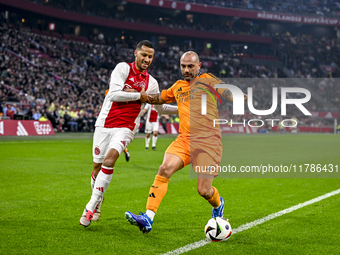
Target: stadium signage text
297, 18
42, 128
238, 100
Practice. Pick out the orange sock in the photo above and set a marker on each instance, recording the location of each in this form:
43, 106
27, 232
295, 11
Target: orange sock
125, 150
215, 199
157, 192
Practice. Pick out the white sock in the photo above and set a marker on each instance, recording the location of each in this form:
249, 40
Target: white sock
102, 182
154, 140
93, 180
150, 214
147, 141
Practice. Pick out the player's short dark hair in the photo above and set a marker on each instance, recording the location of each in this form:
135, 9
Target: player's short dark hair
144, 43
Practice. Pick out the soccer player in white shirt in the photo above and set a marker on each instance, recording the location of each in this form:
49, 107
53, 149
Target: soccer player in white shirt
151, 125
118, 121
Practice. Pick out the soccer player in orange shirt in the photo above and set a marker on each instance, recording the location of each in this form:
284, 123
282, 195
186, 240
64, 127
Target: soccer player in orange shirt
199, 141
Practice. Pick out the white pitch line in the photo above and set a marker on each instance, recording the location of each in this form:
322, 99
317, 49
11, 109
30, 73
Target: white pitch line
246, 226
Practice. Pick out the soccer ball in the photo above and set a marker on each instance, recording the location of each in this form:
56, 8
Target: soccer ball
217, 229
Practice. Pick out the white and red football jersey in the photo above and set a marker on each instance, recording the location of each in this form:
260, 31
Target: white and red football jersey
151, 115
117, 114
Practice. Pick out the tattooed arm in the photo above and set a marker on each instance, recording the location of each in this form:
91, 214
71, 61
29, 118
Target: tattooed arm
156, 99
227, 94
161, 106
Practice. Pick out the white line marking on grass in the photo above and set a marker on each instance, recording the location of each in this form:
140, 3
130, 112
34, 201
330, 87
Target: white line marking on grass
246, 226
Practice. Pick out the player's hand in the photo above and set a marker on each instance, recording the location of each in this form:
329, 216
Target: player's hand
144, 97
150, 99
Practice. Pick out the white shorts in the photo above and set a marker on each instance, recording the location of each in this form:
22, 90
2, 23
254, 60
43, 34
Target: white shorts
110, 138
151, 126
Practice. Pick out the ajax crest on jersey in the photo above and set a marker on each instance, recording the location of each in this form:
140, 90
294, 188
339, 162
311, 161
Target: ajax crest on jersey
218, 229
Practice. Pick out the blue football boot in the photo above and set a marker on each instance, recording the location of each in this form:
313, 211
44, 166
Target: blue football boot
218, 212
142, 221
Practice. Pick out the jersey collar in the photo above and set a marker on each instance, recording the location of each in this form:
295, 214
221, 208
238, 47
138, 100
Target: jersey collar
136, 71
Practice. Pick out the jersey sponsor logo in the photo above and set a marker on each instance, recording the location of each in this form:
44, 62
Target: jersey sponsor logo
96, 151
140, 84
41, 128
21, 131
186, 96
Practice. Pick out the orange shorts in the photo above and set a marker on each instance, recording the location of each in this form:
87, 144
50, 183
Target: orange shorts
202, 152
181, 148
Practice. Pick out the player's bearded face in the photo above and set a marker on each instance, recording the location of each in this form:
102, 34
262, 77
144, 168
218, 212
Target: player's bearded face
144, 57
190, 67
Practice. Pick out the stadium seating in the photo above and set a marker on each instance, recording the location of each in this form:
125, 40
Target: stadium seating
47, 70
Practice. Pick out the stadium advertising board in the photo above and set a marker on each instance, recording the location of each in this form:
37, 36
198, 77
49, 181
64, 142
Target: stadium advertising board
25, 128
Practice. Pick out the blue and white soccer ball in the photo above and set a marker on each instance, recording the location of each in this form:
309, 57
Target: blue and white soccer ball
218, 229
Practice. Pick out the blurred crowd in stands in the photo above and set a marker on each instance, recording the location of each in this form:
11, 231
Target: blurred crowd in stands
50, 76
303, 54
309, 7
314, 7
150, 15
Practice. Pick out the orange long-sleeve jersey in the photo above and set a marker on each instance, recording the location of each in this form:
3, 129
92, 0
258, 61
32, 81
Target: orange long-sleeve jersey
188, 96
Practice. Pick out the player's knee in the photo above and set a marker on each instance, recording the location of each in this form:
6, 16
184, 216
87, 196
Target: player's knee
204, 192
110, 158
109, 162
165, 171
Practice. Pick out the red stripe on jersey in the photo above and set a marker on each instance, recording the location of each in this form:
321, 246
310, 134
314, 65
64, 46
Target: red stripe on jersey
124, 114
153, 115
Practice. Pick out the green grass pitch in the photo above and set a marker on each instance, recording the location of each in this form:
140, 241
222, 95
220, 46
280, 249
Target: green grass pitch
45, 184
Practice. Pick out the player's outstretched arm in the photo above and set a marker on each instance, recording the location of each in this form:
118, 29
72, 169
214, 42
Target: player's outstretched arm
156, 99
166, 109
128, 95
161, 106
